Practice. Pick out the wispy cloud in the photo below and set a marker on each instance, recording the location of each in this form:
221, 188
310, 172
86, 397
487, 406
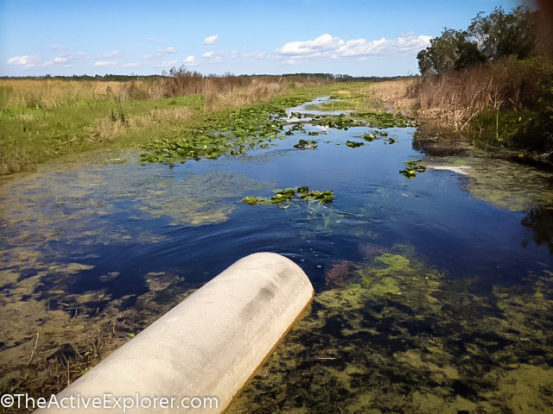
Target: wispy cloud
210, 40
166, 63
64, 60
170, 49
156, 40
105, 63
213, 57
59, 60
191, 61
57, 47
330, 46
112, 54
25, 61
130, 65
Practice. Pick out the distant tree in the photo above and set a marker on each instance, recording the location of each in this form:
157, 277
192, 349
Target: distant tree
503, 34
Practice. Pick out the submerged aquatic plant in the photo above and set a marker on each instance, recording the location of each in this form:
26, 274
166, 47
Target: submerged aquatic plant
339, 274
436, 347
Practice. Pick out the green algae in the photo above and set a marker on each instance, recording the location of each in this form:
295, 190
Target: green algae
437, 347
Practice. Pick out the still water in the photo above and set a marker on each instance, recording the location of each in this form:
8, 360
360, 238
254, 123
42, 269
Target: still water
434, 294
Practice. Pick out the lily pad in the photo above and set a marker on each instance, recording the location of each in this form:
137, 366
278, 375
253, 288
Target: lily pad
354, 144
306, 144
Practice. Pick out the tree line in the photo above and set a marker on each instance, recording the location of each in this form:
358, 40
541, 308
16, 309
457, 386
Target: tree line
487, 39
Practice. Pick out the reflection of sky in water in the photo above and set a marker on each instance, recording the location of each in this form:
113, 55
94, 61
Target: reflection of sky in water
107, 241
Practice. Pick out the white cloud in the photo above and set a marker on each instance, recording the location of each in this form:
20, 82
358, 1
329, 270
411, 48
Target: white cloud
329, 46
211, 40
57, 47
170, 49
156, 40
315, 47
65, 60
400, 45
208, 55
112, 54
191, 61
59, 59
130, 65
25, 61
105, 63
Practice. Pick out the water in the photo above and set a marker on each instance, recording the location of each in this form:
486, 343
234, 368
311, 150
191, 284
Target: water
431, 262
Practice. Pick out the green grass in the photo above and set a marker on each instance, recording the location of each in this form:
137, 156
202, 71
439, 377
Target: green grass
31, 135
170, 130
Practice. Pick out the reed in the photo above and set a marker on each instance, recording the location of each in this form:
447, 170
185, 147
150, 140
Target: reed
454, 100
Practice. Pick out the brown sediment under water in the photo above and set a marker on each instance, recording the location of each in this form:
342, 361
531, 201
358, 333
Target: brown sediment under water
434, 292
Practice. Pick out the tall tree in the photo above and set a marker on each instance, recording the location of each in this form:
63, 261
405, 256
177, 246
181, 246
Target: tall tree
503, 34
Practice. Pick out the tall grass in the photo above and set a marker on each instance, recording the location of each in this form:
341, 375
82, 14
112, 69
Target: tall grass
41, 119
454, 100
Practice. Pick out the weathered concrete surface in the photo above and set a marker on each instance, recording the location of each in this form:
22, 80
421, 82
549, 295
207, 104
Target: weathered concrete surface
207, 346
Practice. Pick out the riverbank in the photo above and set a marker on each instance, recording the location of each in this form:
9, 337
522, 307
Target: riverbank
505, 107
44, 119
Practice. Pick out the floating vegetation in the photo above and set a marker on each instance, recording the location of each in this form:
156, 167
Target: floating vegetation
369, 136
412, 168
313, 133
295, 128
306, 144
354, 144
227, 133
341, 121
370, 119
401, 337
385, 119
289, 194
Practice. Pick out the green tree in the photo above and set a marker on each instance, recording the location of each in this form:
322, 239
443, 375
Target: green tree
503, 34
451, 51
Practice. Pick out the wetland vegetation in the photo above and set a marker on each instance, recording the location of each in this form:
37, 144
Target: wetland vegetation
431, 258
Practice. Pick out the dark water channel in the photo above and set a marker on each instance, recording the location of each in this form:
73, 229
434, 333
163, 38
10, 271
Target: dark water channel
434, 293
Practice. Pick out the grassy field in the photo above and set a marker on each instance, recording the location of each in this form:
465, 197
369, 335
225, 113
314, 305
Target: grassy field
43, 119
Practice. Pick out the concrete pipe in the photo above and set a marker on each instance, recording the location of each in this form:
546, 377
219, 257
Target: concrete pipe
197, 356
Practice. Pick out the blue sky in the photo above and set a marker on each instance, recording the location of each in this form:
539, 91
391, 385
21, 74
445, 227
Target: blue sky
353, 37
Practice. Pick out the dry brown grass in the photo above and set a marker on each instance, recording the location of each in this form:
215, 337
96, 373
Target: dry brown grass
232, 91
52, 93
108, 128
394, 94
453, 100
220, 91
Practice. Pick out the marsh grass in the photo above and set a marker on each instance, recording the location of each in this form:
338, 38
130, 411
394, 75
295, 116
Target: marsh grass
454, 100
386, 96
43, 119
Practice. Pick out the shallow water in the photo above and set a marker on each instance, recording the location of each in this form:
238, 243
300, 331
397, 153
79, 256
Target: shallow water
424, 285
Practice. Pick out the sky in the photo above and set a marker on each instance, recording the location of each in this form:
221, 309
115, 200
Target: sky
354, 37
